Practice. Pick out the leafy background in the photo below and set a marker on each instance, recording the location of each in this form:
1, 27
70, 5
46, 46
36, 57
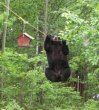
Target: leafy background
23, 85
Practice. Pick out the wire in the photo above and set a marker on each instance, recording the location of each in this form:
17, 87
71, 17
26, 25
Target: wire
26, 22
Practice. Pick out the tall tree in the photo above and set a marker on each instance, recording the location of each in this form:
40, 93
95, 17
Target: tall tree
46, 16
7, 2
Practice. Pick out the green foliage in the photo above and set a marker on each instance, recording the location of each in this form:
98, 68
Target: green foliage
91, 105
12, 106
30, 87
23, 85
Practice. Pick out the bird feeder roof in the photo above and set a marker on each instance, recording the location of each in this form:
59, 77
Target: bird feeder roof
27, 35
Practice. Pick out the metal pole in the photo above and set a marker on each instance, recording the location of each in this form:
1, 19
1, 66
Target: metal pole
7, 2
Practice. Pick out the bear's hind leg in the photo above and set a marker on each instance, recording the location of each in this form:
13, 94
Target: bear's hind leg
51, 75
65, 74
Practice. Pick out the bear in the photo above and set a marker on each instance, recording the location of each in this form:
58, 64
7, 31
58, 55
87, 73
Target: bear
58, 69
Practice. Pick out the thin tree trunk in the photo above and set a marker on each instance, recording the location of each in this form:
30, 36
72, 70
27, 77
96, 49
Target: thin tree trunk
1, 41
78, 84
37, 45
46, 17
5, 25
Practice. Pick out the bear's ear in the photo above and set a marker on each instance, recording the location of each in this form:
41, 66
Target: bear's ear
50, 37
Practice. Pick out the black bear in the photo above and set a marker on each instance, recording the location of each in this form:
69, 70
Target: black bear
57, 51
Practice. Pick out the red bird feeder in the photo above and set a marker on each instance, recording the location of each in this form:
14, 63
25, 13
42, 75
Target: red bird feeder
24, 40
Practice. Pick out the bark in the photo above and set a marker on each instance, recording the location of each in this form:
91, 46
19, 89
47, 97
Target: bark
5, 26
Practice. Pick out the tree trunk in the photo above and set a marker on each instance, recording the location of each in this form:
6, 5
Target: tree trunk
5, 25
46, 18
0, 41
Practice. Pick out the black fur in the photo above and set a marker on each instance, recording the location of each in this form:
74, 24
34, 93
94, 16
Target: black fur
57, 52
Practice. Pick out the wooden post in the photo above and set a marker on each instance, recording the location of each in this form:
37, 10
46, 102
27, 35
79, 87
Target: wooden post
7, 2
